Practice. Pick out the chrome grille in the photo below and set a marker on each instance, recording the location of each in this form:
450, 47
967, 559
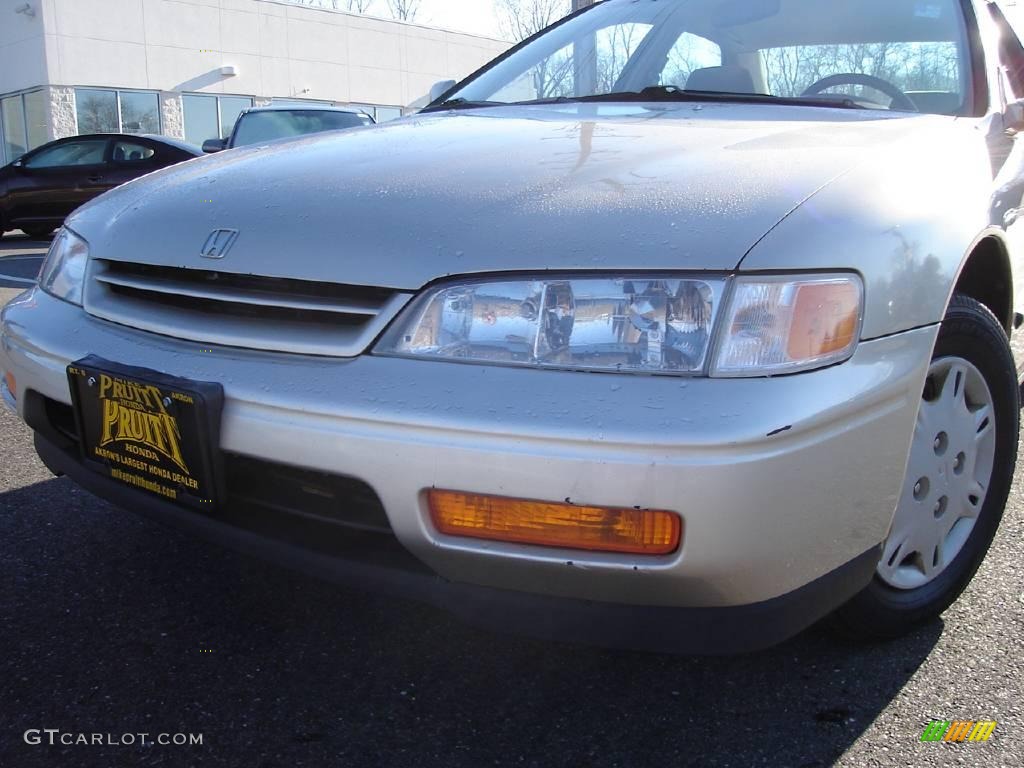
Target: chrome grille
252, 312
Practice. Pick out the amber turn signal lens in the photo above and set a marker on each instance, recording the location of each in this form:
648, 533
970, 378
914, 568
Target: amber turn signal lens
825, 318
12, 385
567, 526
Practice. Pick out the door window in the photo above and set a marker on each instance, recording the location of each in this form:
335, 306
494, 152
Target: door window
129, 152
73, 153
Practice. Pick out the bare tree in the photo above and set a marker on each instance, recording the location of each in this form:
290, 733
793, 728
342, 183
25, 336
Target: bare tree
519, 19
355, 6
404, 10
97, 112
615, 47
927, 66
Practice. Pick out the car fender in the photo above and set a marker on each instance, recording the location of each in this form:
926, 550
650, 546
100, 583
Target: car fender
906, 218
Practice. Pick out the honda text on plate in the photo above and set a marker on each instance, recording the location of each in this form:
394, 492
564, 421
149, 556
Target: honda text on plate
680, 326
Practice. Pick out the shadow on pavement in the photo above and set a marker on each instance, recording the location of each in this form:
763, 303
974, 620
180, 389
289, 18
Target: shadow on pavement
115, 624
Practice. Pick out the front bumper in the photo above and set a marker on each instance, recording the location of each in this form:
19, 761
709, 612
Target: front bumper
780, 482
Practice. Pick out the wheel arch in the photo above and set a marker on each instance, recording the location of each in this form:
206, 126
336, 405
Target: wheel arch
986, 275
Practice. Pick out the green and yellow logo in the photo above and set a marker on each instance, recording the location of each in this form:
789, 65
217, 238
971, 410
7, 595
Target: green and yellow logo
959, 730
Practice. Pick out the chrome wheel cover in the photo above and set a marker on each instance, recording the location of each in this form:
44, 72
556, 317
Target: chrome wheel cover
948, 476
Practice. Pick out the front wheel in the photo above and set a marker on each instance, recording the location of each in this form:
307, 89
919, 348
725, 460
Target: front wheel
961, 465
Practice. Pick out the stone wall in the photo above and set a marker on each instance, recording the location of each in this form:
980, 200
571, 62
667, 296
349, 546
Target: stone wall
63, 121
172, 116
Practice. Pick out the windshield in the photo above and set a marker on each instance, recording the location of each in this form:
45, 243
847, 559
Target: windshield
908, 55
259, 127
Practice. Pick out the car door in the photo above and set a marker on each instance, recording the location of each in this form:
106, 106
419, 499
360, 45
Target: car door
51, 182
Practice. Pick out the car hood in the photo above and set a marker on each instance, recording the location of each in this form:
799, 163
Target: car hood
559, 187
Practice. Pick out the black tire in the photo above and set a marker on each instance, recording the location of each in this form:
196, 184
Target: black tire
38, 233
880, 611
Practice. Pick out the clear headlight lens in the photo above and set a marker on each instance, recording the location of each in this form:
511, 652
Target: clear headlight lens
642, 324
63, 271
770, 325
779, 325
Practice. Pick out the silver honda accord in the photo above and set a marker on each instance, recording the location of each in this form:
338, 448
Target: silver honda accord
682, 325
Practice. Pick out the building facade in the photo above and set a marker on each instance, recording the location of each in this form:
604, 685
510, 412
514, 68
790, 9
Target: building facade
186, 68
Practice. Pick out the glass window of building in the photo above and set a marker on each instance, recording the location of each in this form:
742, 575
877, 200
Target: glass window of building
35, 119
102, 110
23, 124
367, 108
12, 117
386, 114
201, 122
211, 117
140, 112
230, 108
97, 110
379, 114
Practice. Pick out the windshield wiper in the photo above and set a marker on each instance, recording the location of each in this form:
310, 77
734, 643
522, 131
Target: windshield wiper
666, 93
671, 93
461, 103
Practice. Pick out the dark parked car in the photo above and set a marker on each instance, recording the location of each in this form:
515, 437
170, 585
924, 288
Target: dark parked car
262, 124
41, 188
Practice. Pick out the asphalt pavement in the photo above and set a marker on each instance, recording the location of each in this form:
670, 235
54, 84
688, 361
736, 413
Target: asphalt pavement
20, 259
111, 624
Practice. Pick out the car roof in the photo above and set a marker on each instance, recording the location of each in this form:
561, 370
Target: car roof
178, 143
169, 141
308, 108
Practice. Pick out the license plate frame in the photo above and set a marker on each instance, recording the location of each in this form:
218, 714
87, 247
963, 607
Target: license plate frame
147, 430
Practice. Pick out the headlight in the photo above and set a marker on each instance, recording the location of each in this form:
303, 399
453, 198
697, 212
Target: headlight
63, 272
778, 325
640, 324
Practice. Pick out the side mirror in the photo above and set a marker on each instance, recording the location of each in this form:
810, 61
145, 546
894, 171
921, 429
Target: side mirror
214, 145
1013, 116
439, 89
19, 163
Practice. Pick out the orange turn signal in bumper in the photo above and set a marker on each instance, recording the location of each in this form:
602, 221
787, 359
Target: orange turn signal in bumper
545, 524
12, 385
